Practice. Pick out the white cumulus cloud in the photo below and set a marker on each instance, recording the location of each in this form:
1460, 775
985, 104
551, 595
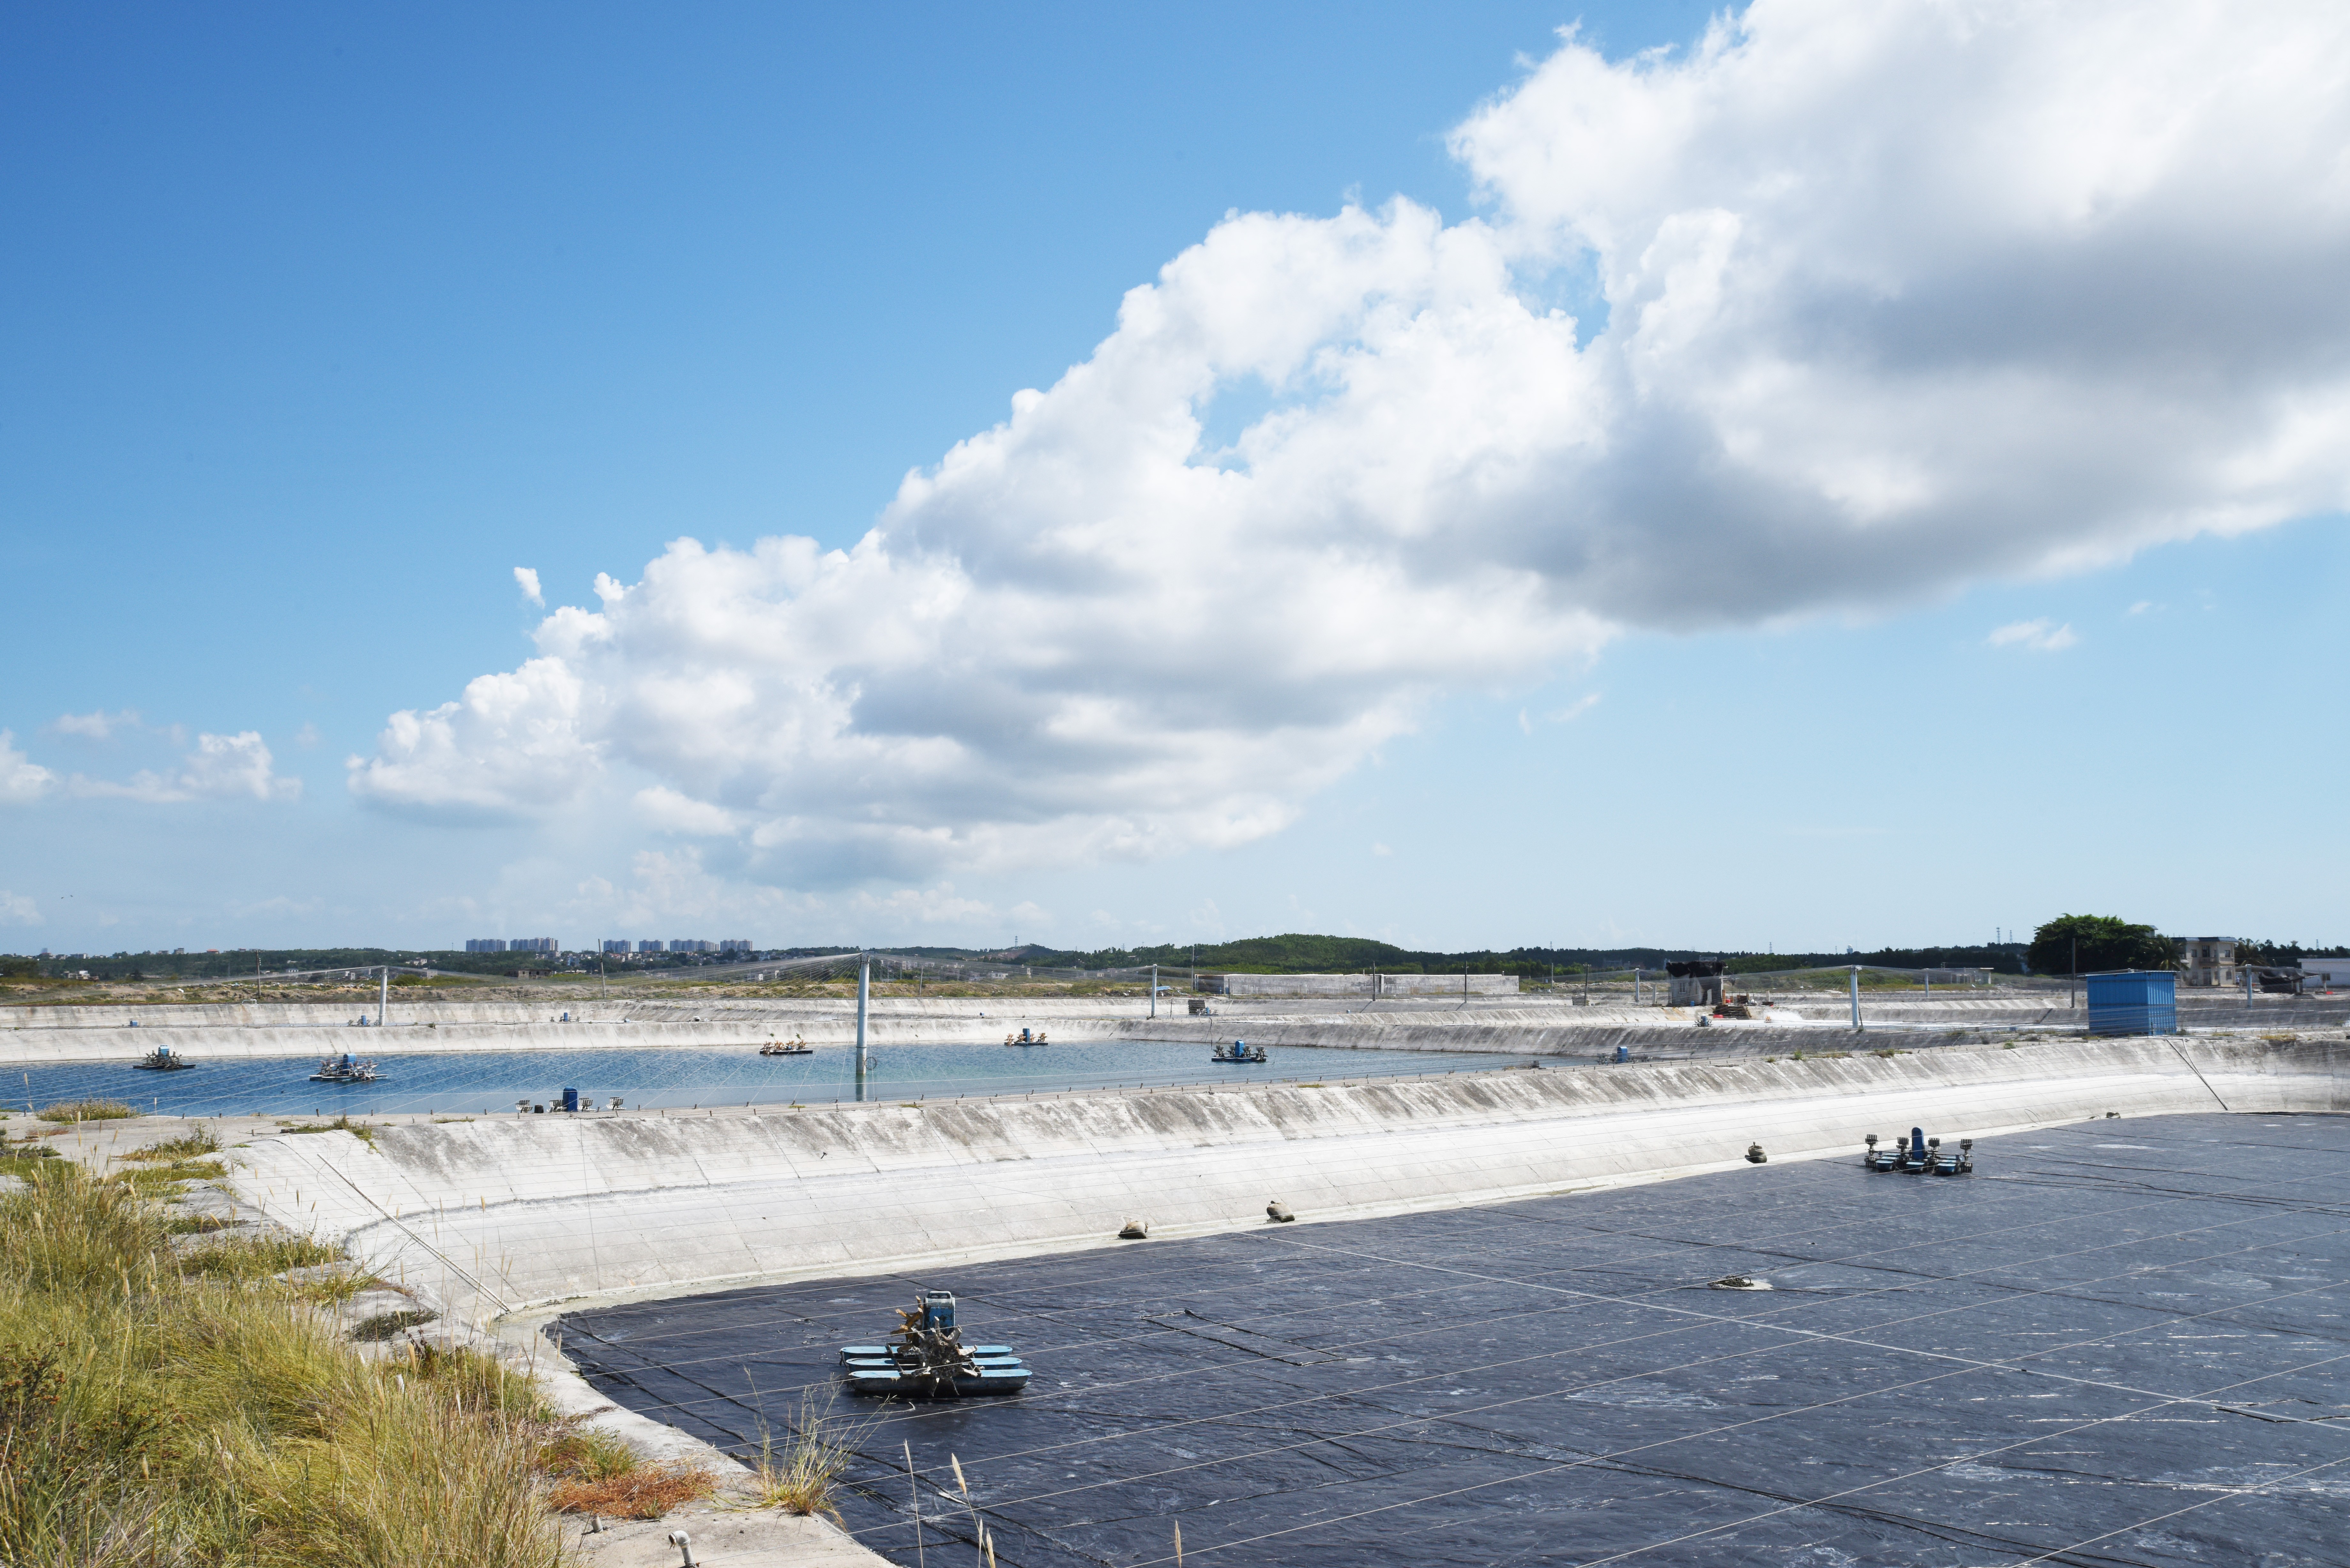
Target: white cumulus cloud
219, 767
2041, 636
511, 743
17, 909
1889, 298
22, 780
527, 580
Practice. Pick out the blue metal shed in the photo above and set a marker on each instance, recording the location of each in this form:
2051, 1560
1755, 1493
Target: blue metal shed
2133, 1001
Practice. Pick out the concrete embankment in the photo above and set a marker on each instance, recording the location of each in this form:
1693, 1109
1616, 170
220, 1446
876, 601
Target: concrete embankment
1650, 1036
497, 1216
313, 1030
1512, 1025
408, 1009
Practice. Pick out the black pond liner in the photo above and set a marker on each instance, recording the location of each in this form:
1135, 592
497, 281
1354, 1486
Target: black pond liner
2124, 1342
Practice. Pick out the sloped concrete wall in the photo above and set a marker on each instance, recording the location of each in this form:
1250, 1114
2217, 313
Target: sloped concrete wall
496, 1216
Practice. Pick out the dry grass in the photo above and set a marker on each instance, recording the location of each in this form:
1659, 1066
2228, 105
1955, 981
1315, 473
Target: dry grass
641, 1492
158, 1408
595, 1473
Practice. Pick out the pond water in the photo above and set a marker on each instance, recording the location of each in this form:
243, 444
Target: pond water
706, 1075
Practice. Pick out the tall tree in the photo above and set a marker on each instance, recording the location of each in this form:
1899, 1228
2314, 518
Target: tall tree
2100, 943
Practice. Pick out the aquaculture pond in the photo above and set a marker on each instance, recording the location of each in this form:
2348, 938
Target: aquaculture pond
700, 1075
2121, 1343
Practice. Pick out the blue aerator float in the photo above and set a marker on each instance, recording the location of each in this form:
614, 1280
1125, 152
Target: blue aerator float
1238, 1051
1917, 1155
927, 1359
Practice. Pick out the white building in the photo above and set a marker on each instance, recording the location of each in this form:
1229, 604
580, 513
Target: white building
2327, 973
2208, 960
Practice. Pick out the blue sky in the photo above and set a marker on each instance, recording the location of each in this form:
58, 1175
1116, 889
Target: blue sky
323, 321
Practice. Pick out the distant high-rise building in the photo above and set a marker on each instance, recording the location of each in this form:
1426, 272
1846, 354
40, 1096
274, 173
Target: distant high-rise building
486, 945
691, 945
613, 947
533, 945
736, 945
649, 946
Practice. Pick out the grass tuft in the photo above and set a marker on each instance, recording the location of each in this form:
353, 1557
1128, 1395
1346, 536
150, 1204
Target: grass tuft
255, 1257
800, 1479
360, 1131
385, 1326
65, 1111
193, 1146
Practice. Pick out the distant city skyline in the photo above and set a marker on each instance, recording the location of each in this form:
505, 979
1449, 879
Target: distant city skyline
932, 478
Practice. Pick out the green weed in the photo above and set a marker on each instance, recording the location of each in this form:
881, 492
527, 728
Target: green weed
68, 1111
192, 1145
360, 1131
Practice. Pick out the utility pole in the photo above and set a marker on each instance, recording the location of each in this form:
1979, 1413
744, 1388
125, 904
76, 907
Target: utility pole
2072, 998
863, 988
383, 995
1856, 996
1154, 991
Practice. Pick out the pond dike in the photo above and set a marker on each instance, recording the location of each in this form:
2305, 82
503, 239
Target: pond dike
504, 1215
41, 1036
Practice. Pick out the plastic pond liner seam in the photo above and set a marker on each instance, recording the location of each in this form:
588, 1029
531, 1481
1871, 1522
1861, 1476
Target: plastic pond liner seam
1534, 1382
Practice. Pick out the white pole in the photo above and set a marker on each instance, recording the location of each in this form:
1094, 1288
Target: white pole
1856, 996
1154, 991
864, 986
382, 996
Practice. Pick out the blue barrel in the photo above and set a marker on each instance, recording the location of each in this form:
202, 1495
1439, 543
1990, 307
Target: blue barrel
570, 1099
1623, 1052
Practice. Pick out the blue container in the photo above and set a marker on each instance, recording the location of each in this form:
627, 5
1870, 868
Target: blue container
570, 1099
2133, 1002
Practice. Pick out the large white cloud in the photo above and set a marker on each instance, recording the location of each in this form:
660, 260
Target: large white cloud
22, 780
1894, 298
